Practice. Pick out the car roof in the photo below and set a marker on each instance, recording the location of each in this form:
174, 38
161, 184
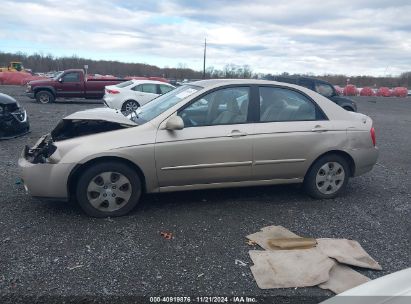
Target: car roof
296, 77
142, 81
221, 82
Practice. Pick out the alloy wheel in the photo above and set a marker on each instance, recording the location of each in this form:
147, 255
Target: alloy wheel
44, 98
130, 106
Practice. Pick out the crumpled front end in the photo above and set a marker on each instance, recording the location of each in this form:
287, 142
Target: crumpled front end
14, 121
42, 177
45, 170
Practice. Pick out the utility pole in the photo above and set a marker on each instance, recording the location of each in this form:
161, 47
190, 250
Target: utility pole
204, 61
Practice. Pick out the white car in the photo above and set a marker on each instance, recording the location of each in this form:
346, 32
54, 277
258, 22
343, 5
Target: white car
130, 95
394, 288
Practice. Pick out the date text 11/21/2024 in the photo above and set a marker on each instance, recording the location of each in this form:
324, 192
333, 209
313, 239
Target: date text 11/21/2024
204, 299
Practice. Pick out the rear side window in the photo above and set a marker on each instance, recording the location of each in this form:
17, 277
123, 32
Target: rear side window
146, 88
306, 83
149, 88
71, 77
324, 89
279, 104
124, 84
165, 89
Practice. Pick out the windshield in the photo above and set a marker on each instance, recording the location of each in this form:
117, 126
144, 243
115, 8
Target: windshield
164, 102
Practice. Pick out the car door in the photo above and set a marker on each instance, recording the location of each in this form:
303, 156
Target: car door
70, 85
145, 92
213, 147
291, 132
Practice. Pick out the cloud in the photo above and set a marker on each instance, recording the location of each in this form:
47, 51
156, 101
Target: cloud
361, 37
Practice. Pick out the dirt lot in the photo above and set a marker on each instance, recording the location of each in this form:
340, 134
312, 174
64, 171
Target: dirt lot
52, 248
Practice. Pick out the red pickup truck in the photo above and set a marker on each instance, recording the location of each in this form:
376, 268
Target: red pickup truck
68, 84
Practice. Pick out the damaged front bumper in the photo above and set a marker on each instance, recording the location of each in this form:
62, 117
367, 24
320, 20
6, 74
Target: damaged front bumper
40, 177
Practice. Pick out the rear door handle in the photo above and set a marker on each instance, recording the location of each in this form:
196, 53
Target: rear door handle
237, 133
319, 128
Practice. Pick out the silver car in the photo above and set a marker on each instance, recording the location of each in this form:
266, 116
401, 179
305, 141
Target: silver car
206, 134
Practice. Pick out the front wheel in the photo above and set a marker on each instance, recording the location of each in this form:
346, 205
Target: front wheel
44, 97
327, 177
108, 189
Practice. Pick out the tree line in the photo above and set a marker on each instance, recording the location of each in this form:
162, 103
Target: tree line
45, 63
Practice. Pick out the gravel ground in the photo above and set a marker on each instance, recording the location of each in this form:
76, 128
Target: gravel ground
53, 249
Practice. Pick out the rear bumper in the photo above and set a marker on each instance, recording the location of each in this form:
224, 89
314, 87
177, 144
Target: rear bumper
364, 159
45, 180
111, 102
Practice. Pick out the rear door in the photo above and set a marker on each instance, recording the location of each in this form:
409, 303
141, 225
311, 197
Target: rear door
145, 92
291, 132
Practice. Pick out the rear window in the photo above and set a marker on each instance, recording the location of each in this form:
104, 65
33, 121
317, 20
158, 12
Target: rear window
124, 84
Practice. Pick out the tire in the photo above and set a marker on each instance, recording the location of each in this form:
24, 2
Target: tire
44, 97
325, 171
348, 109
129, 106
107, 179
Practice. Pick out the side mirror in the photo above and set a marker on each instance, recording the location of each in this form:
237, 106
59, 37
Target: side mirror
60, 80
175, 123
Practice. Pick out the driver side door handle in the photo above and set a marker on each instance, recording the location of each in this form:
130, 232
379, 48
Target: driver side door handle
237, 133
319, 129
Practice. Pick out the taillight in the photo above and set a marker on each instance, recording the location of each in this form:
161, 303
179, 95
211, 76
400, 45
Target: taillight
372, 131
112, 91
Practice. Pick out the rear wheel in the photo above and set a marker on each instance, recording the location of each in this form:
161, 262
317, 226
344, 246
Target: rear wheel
327, 177
108, 189
130, 106
44, 97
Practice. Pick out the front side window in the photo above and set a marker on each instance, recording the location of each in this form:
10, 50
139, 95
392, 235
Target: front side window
279, 104
324, 89
221, 107
165, 89
71, 77
164, 102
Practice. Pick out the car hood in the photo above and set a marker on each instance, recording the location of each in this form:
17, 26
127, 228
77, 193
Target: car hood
6, 99
41, 81
101, 114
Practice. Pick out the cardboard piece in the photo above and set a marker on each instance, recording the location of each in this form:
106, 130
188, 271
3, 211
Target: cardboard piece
290, 268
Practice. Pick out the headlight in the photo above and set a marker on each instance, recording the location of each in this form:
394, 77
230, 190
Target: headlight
28, 88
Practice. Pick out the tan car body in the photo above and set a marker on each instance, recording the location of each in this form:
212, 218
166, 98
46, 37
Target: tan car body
210, 156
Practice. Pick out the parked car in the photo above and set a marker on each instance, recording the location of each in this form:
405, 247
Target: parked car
128, 96
68, 84
322, 87
13, 118
394, 288
206, 134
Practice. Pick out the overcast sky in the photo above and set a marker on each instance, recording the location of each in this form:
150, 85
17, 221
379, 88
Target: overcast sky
358, 37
